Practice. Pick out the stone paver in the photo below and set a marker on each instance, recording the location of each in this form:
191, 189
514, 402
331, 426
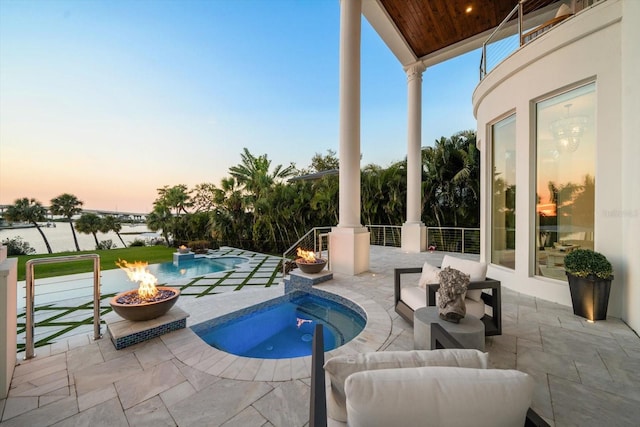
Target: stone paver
585, 374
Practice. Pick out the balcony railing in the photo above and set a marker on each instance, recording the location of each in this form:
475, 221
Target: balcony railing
511, 34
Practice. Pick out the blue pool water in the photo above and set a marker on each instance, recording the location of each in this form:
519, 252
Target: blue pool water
284, 330
114, 281
168, 271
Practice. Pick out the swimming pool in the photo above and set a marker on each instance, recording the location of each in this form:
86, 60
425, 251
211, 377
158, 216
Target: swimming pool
196, 267
62, 288
283, 328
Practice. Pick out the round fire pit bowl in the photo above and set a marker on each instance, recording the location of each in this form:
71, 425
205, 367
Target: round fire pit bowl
146, 310
311, 267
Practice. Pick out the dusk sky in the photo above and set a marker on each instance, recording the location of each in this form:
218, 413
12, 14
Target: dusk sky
110, 100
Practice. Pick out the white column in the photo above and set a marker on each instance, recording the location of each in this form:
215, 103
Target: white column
414, 232
349, 241
9, 316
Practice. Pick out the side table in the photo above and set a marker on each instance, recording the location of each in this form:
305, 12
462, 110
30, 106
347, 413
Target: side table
470, 330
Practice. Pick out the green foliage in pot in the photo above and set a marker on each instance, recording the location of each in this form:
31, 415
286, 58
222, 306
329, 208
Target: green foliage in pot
585, 263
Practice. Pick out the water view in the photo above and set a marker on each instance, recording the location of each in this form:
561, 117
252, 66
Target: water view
61, 239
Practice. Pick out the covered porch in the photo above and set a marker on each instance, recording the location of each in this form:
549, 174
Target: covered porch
586, 374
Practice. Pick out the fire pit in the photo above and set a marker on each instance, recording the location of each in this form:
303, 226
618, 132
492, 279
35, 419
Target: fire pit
308, 263
148, 301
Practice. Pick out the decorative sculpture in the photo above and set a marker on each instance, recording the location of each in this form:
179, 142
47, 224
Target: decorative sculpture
453, 287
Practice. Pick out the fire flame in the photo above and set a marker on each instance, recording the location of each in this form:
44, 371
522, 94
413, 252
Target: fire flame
137, 272
307, 256
183, 247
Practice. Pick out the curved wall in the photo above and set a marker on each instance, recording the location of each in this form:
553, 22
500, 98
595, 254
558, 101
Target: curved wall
587, 47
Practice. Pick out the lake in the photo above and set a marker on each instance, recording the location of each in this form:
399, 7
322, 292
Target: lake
61, 239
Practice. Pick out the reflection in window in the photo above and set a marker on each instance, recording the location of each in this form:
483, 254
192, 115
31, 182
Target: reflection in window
503, 207
565, 178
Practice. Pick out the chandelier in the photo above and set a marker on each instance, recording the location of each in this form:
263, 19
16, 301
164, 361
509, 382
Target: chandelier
568, 131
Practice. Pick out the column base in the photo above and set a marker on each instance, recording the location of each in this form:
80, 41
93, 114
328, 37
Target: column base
414, 237
349, 250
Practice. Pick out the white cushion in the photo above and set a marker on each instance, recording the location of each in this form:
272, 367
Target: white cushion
430, 275
439, 396
475, 269
414, 297
339, 368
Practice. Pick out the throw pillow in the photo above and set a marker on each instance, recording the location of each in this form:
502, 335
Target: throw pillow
453, 286
340, 367
430, 275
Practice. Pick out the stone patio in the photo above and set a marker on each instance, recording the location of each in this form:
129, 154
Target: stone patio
586, 374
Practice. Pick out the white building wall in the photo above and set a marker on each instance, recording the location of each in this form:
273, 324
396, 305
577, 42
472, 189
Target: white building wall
584, 48
630, 214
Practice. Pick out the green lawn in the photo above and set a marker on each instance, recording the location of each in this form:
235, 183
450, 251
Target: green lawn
108, 258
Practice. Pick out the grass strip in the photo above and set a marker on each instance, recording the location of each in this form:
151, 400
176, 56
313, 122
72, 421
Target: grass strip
108, 258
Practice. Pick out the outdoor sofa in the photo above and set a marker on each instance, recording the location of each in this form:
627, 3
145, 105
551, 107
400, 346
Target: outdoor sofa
447, 387
483, 299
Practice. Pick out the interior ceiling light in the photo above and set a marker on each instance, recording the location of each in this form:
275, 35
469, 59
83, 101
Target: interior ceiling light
568, 131
468, 9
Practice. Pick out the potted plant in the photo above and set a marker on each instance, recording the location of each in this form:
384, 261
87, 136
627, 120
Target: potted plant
590, 276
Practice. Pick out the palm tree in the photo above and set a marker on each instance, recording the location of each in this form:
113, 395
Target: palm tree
28, 210
161, 219
111, 223
67, 205
89, 223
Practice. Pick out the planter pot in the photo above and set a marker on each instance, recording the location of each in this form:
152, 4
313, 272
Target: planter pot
590, 296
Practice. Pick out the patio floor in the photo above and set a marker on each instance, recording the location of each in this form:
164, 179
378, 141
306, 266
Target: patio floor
586, 374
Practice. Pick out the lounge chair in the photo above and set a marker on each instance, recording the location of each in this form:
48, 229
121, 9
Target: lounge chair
484, 305
423, 396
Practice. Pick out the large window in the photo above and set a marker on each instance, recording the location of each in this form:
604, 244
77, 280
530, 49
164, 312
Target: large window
503, 189
565, 178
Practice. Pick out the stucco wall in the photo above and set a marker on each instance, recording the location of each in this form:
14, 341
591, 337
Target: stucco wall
587, 47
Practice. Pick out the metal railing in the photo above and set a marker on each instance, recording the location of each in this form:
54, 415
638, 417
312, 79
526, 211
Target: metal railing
385, 235
505, 45
454, 239
509, 36
30, 297
448, 239
315, 240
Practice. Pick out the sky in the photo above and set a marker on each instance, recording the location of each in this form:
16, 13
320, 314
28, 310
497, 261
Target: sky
111, 100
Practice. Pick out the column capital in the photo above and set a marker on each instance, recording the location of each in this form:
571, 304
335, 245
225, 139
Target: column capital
415, 70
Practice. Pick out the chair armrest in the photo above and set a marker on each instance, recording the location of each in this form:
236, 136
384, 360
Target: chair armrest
318, 402
396, 281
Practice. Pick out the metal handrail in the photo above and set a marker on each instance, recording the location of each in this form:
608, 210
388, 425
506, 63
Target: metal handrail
30, 289
315, 231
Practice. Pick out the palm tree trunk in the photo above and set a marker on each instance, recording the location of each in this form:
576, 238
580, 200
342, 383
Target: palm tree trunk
46, 242
75, 238
124, 245
95, 237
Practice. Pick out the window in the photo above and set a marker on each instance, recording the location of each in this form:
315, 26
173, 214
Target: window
565, 178
503, 189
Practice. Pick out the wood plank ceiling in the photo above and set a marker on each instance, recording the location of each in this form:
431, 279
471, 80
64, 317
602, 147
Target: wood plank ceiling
430, 25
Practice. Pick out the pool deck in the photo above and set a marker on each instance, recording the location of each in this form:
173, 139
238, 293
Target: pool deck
586, 374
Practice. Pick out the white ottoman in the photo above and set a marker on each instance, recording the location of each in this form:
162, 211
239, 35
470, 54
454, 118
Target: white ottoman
469, 332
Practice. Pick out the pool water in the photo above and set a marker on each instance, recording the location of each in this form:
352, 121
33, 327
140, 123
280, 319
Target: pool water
113, 281
196, 267
284, 330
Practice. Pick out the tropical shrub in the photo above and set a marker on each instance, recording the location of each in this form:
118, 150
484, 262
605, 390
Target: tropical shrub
105, 244
137, 242
17, 246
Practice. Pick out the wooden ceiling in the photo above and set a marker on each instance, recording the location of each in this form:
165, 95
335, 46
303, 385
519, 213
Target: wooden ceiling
430, 25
